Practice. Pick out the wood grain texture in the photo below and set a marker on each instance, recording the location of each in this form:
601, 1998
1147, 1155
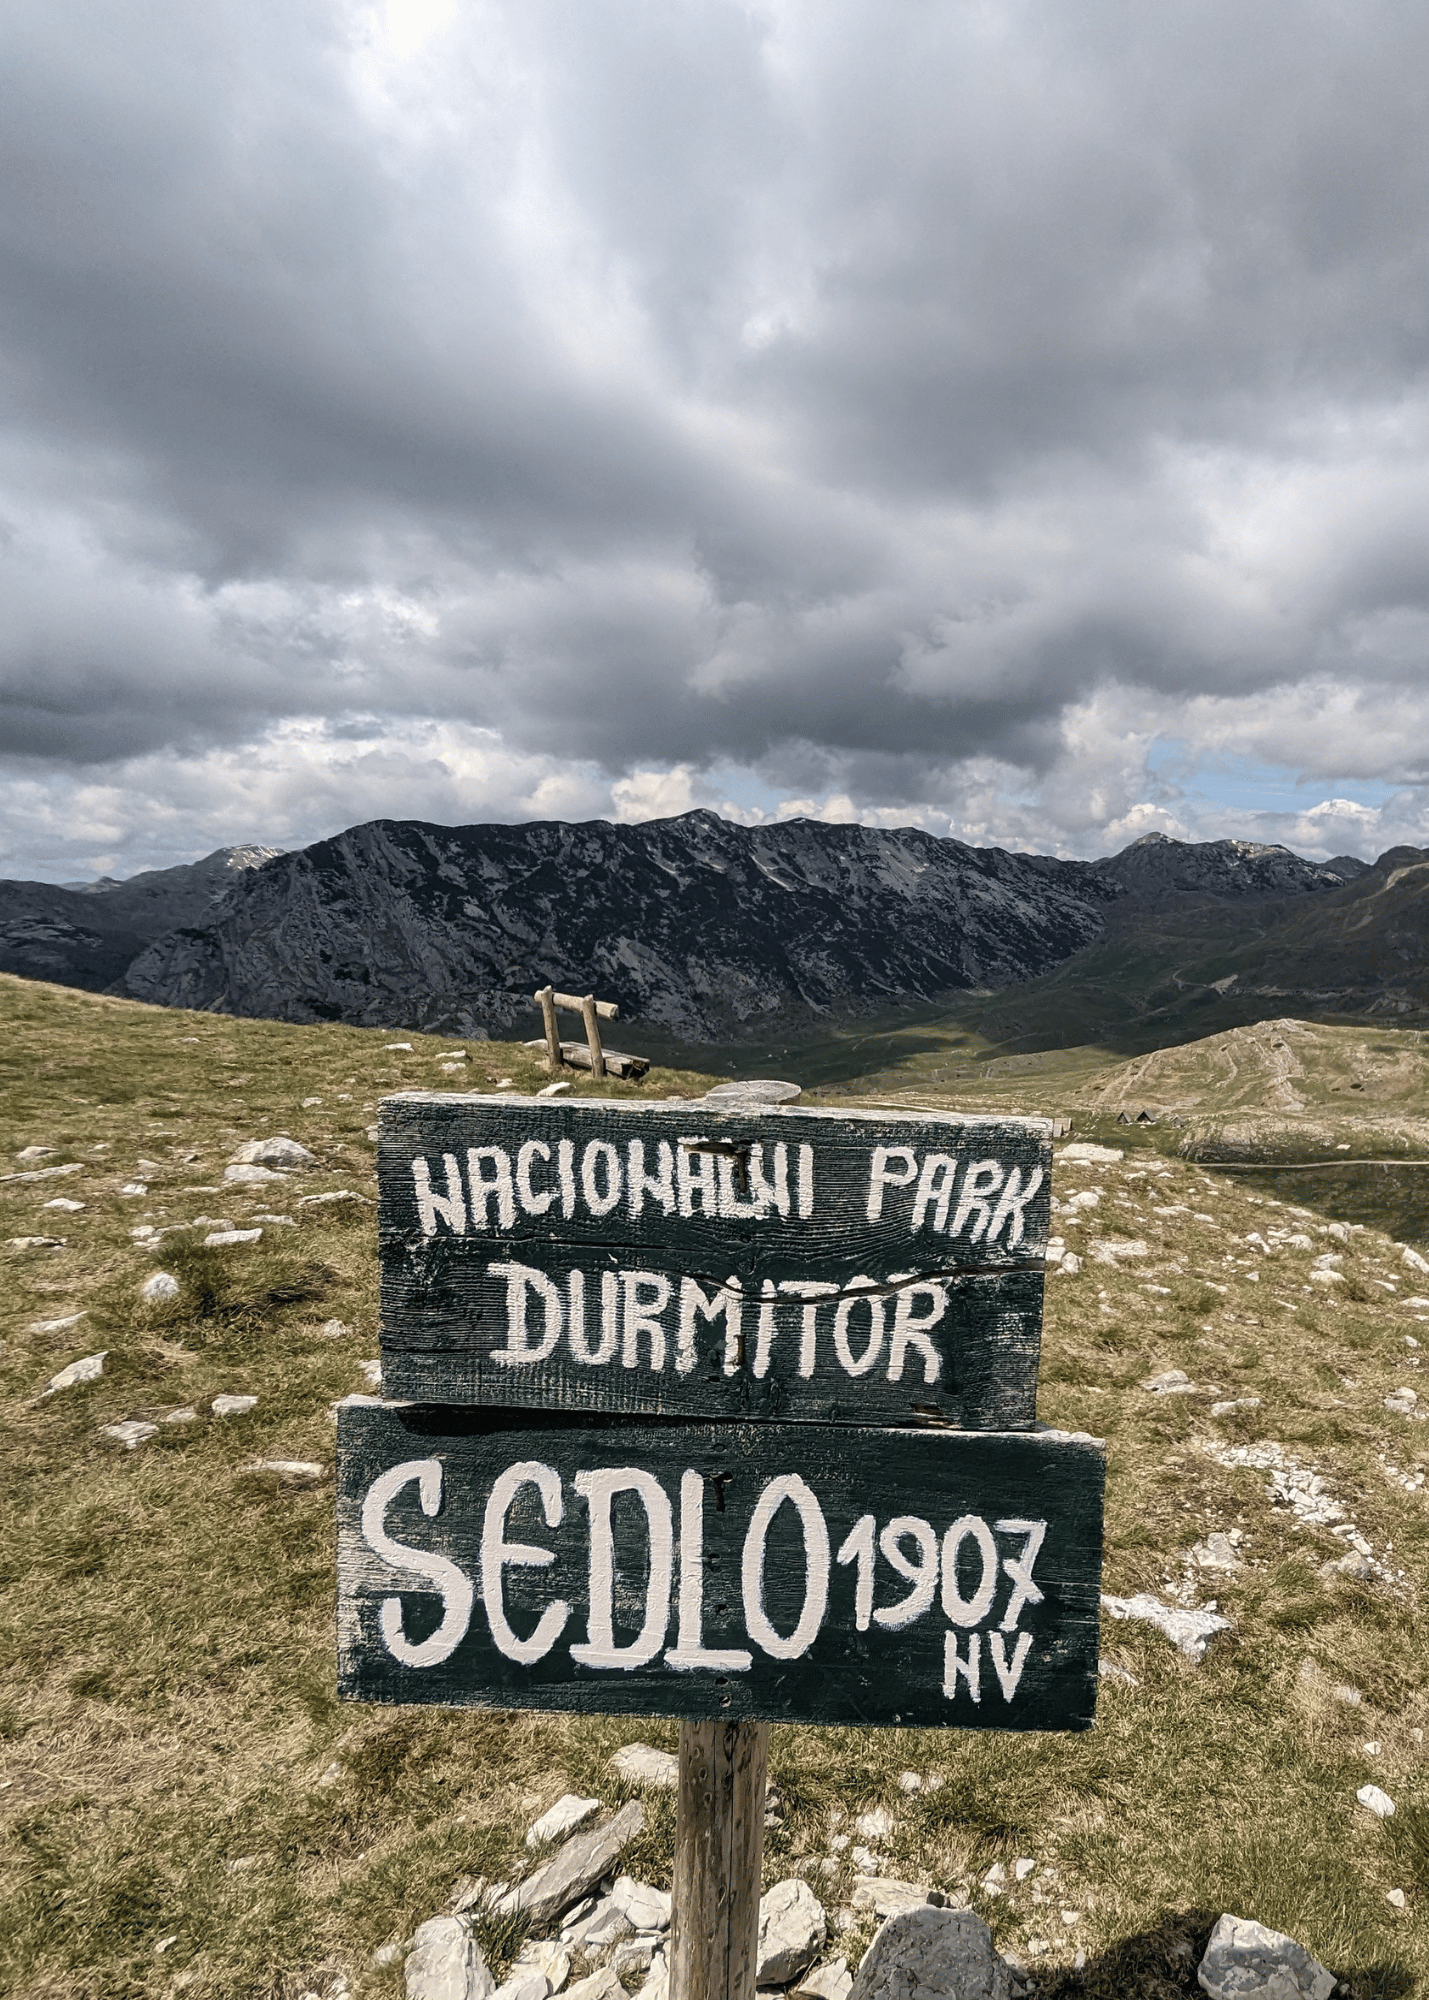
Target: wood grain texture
719, 1855
471, 1570
850, 1267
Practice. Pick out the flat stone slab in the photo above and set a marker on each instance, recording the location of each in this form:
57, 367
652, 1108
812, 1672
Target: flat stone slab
792, 1930
1245, 1961
886, 1896
445, 1963
640, 1764
567, 1813
1190, 1632
574, 1871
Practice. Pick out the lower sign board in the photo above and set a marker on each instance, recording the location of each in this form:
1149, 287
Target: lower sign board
766, 1571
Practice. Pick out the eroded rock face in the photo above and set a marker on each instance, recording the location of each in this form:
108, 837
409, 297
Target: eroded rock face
930, 1954
694, 924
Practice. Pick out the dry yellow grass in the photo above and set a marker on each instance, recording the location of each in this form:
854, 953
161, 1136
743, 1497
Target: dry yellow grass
185, 1808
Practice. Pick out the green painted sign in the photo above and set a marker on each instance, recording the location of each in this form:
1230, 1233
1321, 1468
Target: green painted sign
684, 1259
789, 1572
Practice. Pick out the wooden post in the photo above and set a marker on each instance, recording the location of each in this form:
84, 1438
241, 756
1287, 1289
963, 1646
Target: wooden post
546, 1001
719, 1852
592, 1035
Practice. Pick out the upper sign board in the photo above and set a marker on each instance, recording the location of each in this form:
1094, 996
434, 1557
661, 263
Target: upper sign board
679, 1259
789, 1572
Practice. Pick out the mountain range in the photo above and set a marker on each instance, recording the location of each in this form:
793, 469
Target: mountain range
701, 929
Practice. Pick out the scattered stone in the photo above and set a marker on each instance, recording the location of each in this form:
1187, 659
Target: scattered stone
89, 1369
553, 1959
326, 1200
1111, 1671
634, 1955
130, 1433
334, 1329
791, 1932
1118, 1250
909, 1782
876, 1825
388, 1954
1396, 1898
275, 1152
46, 1173
390, 1048
865, 1858
29, 1153
602, 1985
372, 1374
1351, 1697
1245, 1961
640, 1764
301, 1471
445, 1963
38, 1242
1171, 1382
1413, 1259
647, 1908
830, 1981
557, 1089
232, 1406
935, 1954
1404, 1403
278, 1221
249, 1176
1216, 1552
657, 1984
62, 1201
1376, 1801
1094, 1156
55, 1325
886, 1897
1024, 1867
220, 1239
135, 1188
1189, 1631
524, 1982
567, 1813
1228, 1409
163, 1285
575, 1870
187, 1415
596, 1923
333, 1775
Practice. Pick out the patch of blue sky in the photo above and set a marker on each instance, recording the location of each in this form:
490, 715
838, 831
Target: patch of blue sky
1245, 784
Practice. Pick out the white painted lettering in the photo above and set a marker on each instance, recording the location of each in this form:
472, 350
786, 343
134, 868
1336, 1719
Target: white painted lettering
480, 1188
694, 1305
922, 1574
882, 1175
734, 1207
566, 1174
642, 1316
910, 1329
497, 1555
935, 1187
690, 1650
599, 1489
451, 1206
789, 1487
811, 1289
534, 1201
955, 1668
520, 1350
576, 1331
600, 1176
806, 1182
1019, 1568
767, 1327
1010, 1204
1008, 1675
877, 1326
969, 1610
771, 1191
858, 1548
980, 1181
455, 1587
639, 1182
695, 1178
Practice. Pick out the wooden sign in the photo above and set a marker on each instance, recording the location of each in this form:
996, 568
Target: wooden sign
693, 1260
779, 1571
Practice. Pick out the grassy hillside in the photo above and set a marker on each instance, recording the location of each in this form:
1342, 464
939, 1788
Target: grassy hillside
185, 1808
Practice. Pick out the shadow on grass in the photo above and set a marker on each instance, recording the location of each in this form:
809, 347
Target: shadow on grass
1160, 1963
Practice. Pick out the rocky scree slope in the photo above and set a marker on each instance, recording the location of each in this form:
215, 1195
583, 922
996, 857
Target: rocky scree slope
85, 934
696, 925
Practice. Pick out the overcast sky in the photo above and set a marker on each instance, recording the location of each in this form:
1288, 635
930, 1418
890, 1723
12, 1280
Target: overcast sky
1010, 419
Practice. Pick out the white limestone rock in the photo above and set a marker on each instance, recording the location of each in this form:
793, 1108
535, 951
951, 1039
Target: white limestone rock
657, 1981
246, 1176
1190, 1632
552, 1959
445, 1963
130, 1432
637, 1954
934, 1955
575, 1868
1171, 1382
163, 1285
1093, 1156
791, 1932
876, 1825
524, 1982
1245, 1961
88, 1369
831, 1980
1375, 1801
602, 1985
300, 1472
223, 1239
232, 1406
275, 1152
640, 1764
644, 1907
886, 1896
55, 1325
